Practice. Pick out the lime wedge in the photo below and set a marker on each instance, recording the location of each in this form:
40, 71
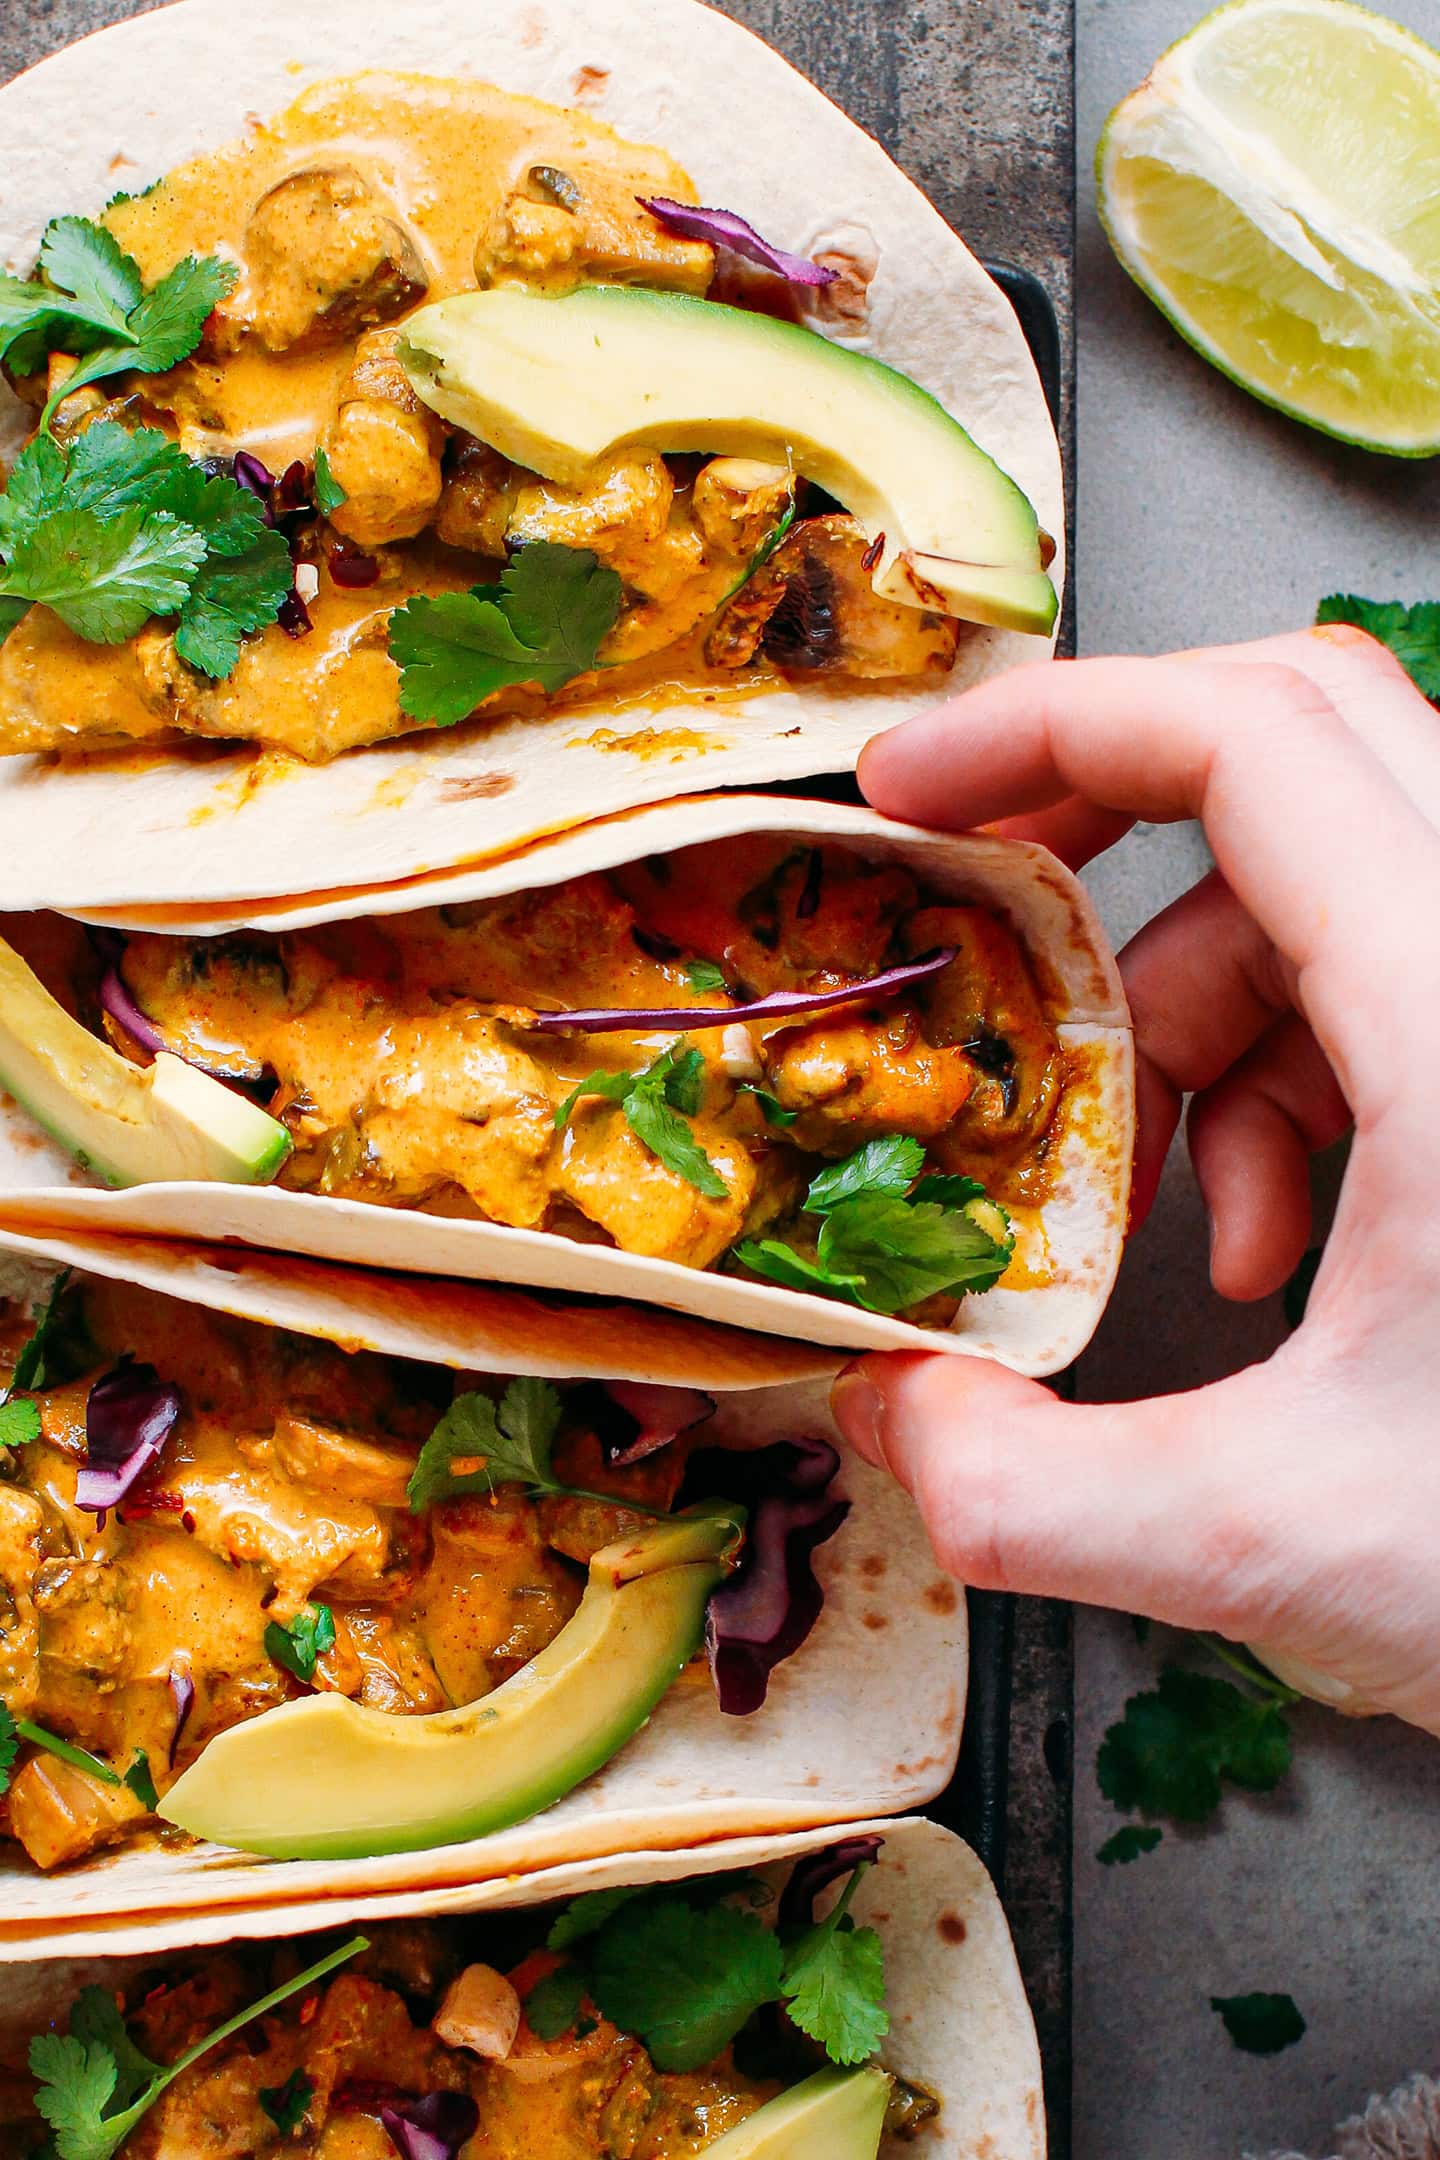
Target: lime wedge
1274, 186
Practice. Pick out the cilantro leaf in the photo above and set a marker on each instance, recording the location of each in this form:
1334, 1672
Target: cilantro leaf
770, 1108
286, 2104
553, 2004
329, 494
1128, 1843
1169, 1753
684, 1981
510, 1446
664, 1131
34, 487
161, 329
543, 624
94, 2085
704, 975
19, 1421
88, 262
9, 1746
141, 1783
1411, 633
588, 1913
834, 1982
105, 576
233, 595
681, 1080
889, 1165
300, 1645
67, 1750
783, 1264
906, 1251
11, 612
1260, 2024
614, 1086
42, 1362
948, 1191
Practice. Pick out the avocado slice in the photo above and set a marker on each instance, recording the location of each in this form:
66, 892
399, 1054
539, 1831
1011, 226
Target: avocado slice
324, 1778
130, 1124
554, 383
834, 2115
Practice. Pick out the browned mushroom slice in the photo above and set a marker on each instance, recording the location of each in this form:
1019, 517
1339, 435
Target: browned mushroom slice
560, 228
326, 258
813, 610
478, 498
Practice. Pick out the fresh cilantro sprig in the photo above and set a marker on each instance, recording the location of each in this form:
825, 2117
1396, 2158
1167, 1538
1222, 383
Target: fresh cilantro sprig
1411, 633
771, 1108
41, 1362
300, 1645
657, 1102
1179, 1743
95, 2085
140, 1782
1260, 2024
705, 975
19, 1421
13, 1730
286, 2104
121, 526
684, 1972
329, 495
91, 300
887, 1242
509, 1444
543, 623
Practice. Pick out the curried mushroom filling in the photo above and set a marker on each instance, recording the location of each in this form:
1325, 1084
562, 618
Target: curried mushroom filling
368, 197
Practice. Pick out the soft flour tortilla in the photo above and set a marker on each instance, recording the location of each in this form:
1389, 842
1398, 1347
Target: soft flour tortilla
202, 823
1068, 1248
959, 2022
864, 1719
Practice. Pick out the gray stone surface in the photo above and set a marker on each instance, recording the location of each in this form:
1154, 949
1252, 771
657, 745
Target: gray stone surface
1204, 517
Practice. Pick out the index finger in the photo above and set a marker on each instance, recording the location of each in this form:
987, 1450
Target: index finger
1318, 841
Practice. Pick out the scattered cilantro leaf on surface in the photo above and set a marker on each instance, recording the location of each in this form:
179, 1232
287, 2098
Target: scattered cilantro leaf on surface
889, 1165
656, 1102
588, 1913
1128, 1843
508, 1444
770, 1107
684, 1981
232, 596
783, 1264
834, 1983
301, 1643
88, 262
1168, 1755
553, 2005
105, 576
43, 1362
704, 975
1260, 2024
94, 2085
543, 624
1411, 633
329, 494
947, 1190
141, 1783
19, 1421
286, 2104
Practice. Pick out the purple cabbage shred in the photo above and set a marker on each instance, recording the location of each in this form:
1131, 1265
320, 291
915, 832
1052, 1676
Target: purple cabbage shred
815, 1872
182, 1688
779, 1004
129, 1414
434, 2128
634, 1418
724, 228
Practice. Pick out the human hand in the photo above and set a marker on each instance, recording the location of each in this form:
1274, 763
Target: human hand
1293, 993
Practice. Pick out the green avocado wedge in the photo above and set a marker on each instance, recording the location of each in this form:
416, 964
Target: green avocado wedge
834, 2115
554, 383
129, 1124
324, 1778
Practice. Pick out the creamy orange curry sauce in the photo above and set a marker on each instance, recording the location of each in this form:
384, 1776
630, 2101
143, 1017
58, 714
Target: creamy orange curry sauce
283, 1482
369, 197
399, 1052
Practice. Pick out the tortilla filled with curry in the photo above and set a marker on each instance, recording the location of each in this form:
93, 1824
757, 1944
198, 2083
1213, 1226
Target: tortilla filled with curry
384, 1619
844, 1996
430, 466
782, 1065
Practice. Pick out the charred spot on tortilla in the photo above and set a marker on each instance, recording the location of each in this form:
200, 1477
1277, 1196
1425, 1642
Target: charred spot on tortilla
475, 787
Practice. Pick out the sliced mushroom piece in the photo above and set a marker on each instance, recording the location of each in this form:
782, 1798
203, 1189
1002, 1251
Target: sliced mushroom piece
583, 224
480, 2011
813, 610
478, 498
739, 502
326, 258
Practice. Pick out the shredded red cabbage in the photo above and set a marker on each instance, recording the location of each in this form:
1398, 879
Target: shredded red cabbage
723, 228
351, 566
257, 480
768, 1607
608, 1020
182, 1687
632, 1418
129, 1414
293, 616
434, 2128
117, 1001
815, 1872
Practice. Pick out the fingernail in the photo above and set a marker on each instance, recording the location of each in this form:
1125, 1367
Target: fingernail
858, 1408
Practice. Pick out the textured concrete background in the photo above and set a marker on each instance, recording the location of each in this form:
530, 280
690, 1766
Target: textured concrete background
1202, 517
1329, 1890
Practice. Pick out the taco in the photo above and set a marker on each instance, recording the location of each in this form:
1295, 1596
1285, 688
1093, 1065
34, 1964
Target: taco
780, 1064
424, 469
761, 2000
357, 1606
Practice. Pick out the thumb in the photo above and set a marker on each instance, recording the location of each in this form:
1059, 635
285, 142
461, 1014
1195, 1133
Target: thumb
1124, 1504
